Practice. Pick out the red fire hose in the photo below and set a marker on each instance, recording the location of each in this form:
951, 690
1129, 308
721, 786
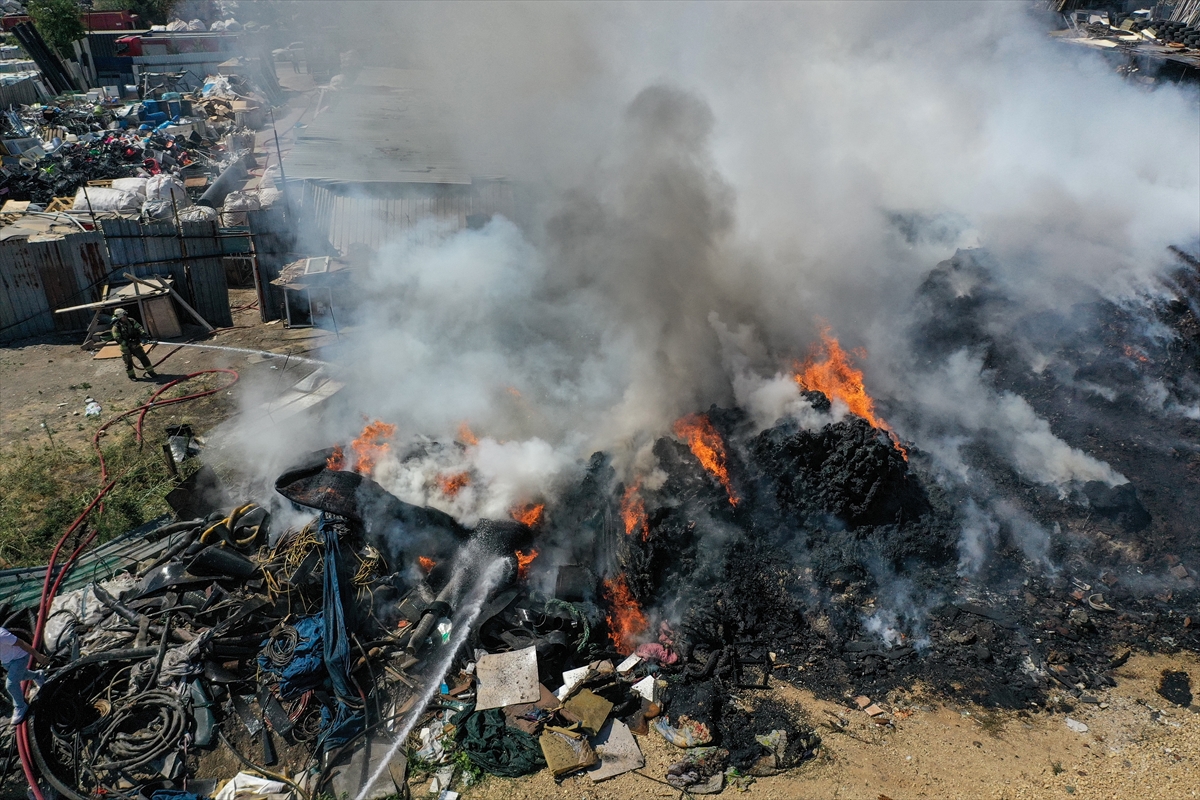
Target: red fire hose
49, 590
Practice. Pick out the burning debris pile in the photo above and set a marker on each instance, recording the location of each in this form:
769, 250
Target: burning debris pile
385, 638
383, 623
311, 645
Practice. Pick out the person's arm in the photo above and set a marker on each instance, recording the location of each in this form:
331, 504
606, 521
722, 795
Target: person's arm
28, 648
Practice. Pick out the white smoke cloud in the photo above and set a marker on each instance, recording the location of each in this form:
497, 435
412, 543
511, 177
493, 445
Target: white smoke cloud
902, 612
955, 399
980, 534
499, 476
1032, 539
747, 161
982, 531
766, 400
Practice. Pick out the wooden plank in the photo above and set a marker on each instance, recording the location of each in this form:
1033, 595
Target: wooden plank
114, 351
83, 307
161, 321
305, 333
182, 302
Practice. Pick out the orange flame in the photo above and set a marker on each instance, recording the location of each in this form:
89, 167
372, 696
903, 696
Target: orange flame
370, 445
626, 622
336, 461
1133, 353
523, 561
828, 369
451, 485
467, 436
707, 447
633, 511
528, 515
427, 564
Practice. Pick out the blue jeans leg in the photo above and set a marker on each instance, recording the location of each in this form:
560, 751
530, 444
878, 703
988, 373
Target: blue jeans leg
14, 671
17, 671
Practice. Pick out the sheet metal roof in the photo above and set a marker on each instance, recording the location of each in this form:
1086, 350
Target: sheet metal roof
385, 127
22, 587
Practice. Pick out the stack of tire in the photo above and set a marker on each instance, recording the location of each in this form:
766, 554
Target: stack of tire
1177, 33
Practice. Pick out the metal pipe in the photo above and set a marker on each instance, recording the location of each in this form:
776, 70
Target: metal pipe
439, 608
214, 195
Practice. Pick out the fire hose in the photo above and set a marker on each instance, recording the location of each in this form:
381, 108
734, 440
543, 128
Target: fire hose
49, 590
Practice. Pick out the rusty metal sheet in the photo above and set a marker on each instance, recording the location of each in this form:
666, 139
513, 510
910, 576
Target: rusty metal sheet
37, 277
58, 282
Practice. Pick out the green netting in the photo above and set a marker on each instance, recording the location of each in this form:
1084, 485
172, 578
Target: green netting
494, 747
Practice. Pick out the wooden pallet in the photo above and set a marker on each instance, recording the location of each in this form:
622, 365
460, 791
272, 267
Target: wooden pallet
61, 204
103, 184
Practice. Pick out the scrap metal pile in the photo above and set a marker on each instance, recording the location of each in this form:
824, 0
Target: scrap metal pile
75, 140
318, 646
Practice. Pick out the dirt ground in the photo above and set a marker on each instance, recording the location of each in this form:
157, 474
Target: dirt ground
1137, 746
48, 381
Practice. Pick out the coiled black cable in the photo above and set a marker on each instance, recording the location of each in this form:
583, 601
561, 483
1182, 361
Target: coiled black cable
142, 728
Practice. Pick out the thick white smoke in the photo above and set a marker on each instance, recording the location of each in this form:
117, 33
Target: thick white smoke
705, 181
956, 396
495, 478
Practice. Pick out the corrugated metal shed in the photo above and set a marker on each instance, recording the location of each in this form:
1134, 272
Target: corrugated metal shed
37, 277
380, 161
345, 214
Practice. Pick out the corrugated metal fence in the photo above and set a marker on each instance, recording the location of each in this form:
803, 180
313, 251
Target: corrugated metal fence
192, 257
20, 93
274, 246
37, 277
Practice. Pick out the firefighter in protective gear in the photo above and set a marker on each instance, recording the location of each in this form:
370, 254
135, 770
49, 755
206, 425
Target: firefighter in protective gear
129, 334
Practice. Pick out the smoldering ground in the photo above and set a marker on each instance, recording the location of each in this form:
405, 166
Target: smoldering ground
695, 169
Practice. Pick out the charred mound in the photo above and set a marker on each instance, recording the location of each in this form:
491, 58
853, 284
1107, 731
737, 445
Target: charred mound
848, 470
